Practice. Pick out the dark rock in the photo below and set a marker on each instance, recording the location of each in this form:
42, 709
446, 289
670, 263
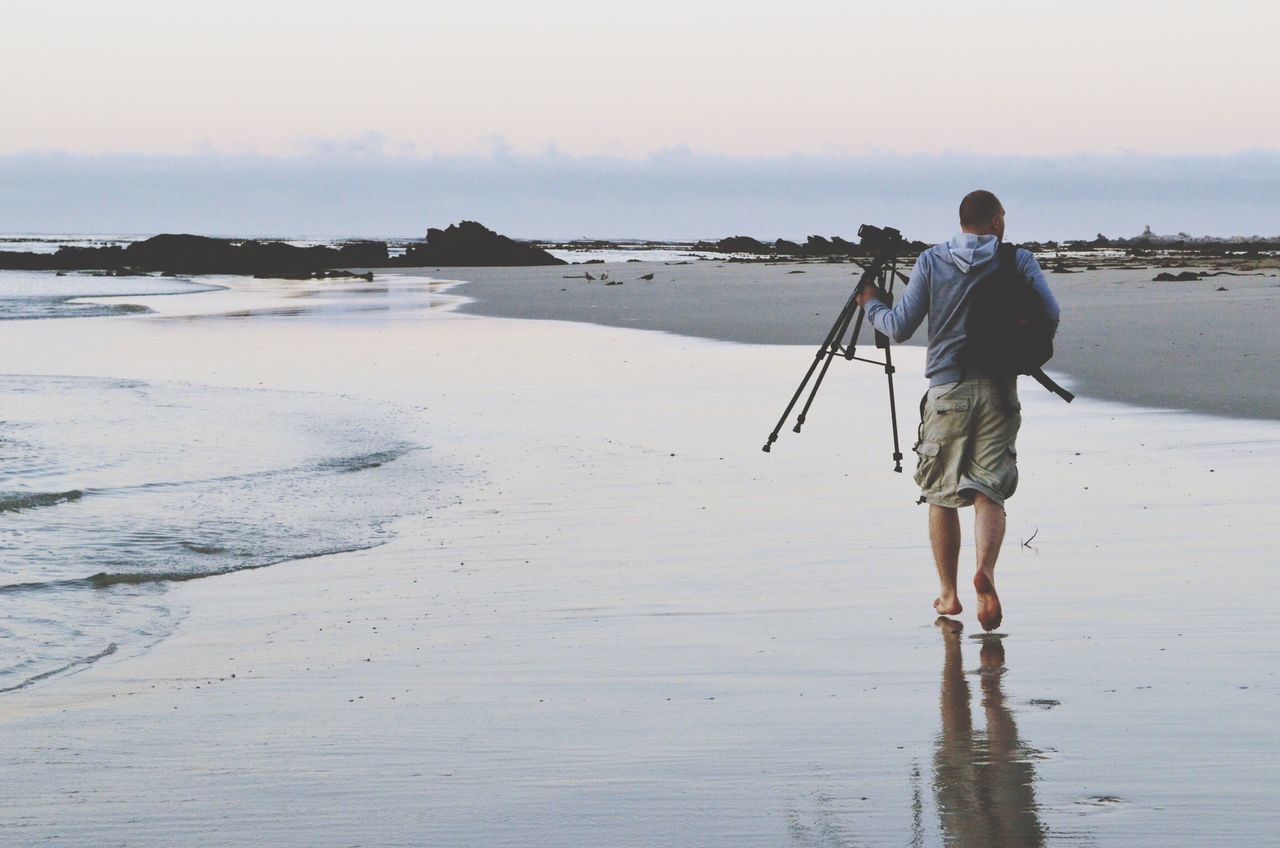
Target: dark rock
467, 243
1182, 277
843, 248
363, 254
187, 254
815, 247
741, 244
472, 244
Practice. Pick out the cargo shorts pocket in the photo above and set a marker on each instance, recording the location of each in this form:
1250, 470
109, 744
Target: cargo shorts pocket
945, 419
928, 467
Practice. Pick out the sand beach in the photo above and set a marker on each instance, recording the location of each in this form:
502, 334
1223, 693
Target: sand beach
590, 611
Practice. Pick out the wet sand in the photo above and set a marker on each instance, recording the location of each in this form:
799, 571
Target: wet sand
1172, 345
626, 625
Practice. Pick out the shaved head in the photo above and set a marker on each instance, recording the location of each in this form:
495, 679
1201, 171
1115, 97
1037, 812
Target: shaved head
978, 208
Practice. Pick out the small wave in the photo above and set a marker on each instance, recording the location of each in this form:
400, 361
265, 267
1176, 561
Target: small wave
364, 462
106, 579
45, 675
15, 501
339, 465
196, 548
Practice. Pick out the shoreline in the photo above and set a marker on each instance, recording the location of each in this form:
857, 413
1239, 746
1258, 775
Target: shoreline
1180, 345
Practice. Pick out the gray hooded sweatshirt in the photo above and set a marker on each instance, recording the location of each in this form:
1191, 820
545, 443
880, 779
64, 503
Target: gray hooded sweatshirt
939, 287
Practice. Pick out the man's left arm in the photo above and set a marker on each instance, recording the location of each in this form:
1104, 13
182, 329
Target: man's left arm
1030, 269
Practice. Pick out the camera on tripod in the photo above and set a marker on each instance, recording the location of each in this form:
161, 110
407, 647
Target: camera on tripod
878, 238
880, 271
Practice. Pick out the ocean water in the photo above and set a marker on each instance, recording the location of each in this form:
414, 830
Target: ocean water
113, 489
40, 294
49, 243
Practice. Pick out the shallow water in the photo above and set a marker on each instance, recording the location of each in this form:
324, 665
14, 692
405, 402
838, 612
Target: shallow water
110, 489
44, 294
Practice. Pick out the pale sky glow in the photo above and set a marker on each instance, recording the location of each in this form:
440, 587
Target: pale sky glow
646, 118
627, 79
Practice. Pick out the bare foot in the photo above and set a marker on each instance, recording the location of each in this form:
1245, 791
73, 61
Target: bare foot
989, 612
947, 606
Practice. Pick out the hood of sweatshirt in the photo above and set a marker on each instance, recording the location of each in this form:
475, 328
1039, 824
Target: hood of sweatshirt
967, 251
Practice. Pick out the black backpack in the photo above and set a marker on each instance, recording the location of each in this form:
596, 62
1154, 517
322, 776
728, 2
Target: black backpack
1007, 331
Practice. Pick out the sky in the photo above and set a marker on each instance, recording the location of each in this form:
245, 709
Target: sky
655, 119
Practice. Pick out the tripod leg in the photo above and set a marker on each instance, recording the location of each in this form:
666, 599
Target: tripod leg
848, 354
893, 411
853, 341
824, 353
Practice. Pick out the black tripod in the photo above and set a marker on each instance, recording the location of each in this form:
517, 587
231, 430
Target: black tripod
882, 271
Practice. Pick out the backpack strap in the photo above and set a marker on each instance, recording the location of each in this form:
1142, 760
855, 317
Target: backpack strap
1043, 379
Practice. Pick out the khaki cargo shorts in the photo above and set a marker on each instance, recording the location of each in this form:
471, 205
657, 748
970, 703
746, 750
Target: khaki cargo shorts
967, 443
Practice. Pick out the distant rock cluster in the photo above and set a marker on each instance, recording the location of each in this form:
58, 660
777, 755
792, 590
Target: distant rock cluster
464, 244
815, 247
1149, 237
469, 243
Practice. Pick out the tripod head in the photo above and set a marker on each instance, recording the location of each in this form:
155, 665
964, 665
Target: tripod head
885, 243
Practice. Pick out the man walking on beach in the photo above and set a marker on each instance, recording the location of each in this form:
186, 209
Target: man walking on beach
970, 420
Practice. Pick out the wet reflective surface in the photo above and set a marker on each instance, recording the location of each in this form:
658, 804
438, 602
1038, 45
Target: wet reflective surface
983, 779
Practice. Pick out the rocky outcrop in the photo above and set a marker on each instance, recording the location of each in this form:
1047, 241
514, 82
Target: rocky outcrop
188, 254
467, 243
815, 247
471, 244
734, 244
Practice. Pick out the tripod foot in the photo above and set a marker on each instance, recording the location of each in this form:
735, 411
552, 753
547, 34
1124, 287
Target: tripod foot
766, 448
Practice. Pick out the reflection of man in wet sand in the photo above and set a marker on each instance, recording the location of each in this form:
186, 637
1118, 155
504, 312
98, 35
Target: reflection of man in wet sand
970, 419
982, 781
